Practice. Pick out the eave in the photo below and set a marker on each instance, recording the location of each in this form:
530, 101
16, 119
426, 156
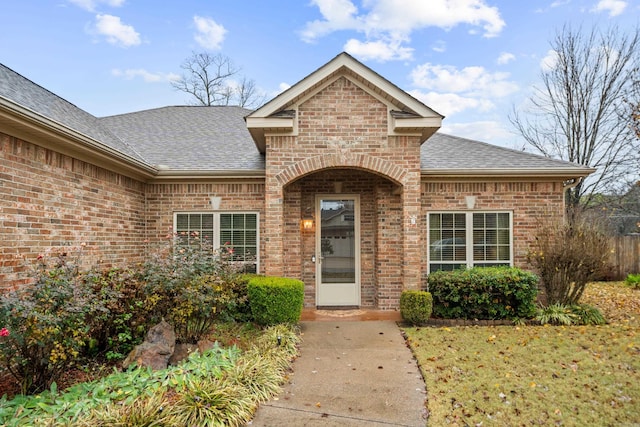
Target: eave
164, 176
30, 126
495, 173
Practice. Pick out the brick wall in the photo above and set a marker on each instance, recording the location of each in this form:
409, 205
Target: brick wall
51, 201
344, 127
530, 202
163, 200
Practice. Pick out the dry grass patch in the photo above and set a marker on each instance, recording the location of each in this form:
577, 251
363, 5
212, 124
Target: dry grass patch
535, 375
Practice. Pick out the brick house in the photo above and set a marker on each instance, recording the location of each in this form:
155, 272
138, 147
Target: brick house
342, 180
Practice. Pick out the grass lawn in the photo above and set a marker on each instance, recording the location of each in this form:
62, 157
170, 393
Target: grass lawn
537, 375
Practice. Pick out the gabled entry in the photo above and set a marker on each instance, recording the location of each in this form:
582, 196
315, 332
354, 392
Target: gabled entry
338, 250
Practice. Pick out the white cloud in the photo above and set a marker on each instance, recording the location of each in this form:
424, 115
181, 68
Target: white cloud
614, 7
283, 86
387, 24
439, 46
115, 31
91, 5
472, 81
448, 104
210, 34
378, 50
505, 58
147, 76
550, 61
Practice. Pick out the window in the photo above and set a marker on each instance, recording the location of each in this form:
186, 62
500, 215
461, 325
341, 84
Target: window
468, 239
236, 231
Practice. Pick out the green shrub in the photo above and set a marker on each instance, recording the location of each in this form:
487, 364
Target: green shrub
416, 306
123, 325
275, 300
484, 293
633, 280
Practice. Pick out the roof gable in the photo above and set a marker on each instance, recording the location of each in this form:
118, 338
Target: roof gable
406, 113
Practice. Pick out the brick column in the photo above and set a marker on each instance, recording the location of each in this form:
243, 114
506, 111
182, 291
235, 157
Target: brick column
273, 228
412, 227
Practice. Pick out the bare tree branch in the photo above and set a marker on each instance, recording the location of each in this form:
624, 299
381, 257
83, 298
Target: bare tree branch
209, 79
579, 113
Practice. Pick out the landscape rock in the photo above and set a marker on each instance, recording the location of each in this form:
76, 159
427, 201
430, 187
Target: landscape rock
204, 345
181, 352
156, 350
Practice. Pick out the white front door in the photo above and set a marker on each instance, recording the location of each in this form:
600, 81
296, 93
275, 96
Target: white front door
338, 250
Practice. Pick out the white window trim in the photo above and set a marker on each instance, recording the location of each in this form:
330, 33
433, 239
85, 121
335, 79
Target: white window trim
216, 228
469, 237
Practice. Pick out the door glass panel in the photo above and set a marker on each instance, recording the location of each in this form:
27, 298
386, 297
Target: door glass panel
338, 244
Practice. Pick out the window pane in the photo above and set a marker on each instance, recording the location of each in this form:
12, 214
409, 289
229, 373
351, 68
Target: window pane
182, 222
478, 221
207, 222
490, 220
445, 267
434, 221
491, 238
503, 253
239, 231
447, 238
194, 222
503, 220
478, 236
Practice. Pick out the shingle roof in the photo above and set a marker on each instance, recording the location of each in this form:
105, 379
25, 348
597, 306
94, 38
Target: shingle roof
30, 95
216, 139
442, 153
190, 137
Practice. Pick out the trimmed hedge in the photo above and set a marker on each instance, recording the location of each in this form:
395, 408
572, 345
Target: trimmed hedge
484, 293
416, 306
275, 300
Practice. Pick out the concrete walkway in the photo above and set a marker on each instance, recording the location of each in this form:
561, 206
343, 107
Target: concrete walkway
349, 374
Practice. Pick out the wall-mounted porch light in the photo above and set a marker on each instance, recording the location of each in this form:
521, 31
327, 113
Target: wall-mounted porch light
307, 223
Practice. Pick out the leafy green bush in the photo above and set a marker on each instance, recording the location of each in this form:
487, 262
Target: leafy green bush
275, 300
484, 293
416, 306
123, 325
633, 280
567, 257
46, 323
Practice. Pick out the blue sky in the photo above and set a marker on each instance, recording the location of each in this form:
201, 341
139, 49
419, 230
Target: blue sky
471, 60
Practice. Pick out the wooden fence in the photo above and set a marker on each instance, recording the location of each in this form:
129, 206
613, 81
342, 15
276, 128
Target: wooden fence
625, 258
